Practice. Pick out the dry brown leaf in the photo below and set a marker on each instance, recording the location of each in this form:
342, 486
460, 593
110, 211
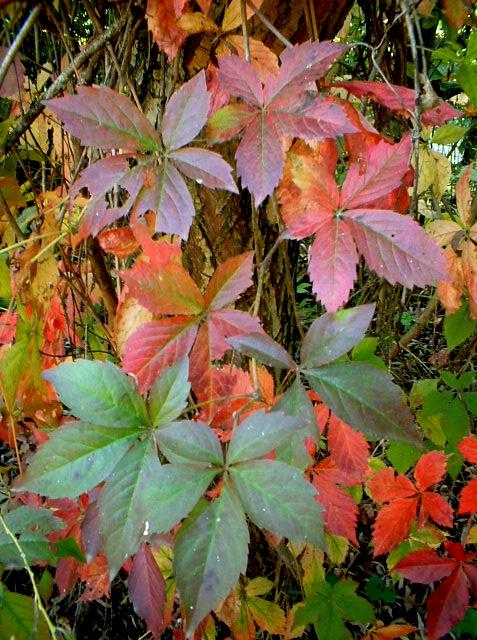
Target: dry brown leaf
443, 231
196, 22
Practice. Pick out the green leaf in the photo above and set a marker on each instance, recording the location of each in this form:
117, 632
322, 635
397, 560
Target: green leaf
334, 334
99, 393
5, 289
18, 618
458, 327
296, 403
188, 441
175, 492
376, 590
125, 501
77, 457
69, 548
402, 456
449, 133
210, 554
278, 498
470, 399
12, 365
168, 396
364, 397
330, 606
259, 434
467, 78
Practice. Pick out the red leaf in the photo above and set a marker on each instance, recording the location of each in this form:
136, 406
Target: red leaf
229, 280
341, 512
226, 323
169, 290
157, 345
468, 498
185, 113
147, 590
436, 507
333, 260
106, 119
393, 524
381, 170
385, 486
348, 449
446, 607
425, 566
401, 100
162, 16
430, 469
120, 242
468, 448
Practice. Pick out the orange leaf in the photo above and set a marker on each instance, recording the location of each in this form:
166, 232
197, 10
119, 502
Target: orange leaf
162, 17
468, 448
390, 632
450, 291
120, 242
469, 269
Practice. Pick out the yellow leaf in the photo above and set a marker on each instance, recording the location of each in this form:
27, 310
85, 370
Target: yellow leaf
443, 231
337, 548
313, 570
233, 16
267, 615
434, 171
472, 535
258, 587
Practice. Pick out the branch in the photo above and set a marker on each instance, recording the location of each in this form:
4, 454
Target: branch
13, 50
59, 84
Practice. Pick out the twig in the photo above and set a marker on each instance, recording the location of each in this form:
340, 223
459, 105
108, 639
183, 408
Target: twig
269, 25
16, 44
417, 328
246, 43
59, 84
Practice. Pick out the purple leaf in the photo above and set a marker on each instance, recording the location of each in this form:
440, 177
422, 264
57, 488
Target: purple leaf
264, 349
334, 334
106, 119
301, 65
147, 590
162, 190
260, 158
15, 78
240, 79
185, 113
396, 247
205, 167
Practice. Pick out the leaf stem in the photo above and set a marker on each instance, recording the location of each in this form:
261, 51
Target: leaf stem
37, 598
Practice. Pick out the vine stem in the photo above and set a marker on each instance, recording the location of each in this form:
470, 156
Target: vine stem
417, 328
38, 603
